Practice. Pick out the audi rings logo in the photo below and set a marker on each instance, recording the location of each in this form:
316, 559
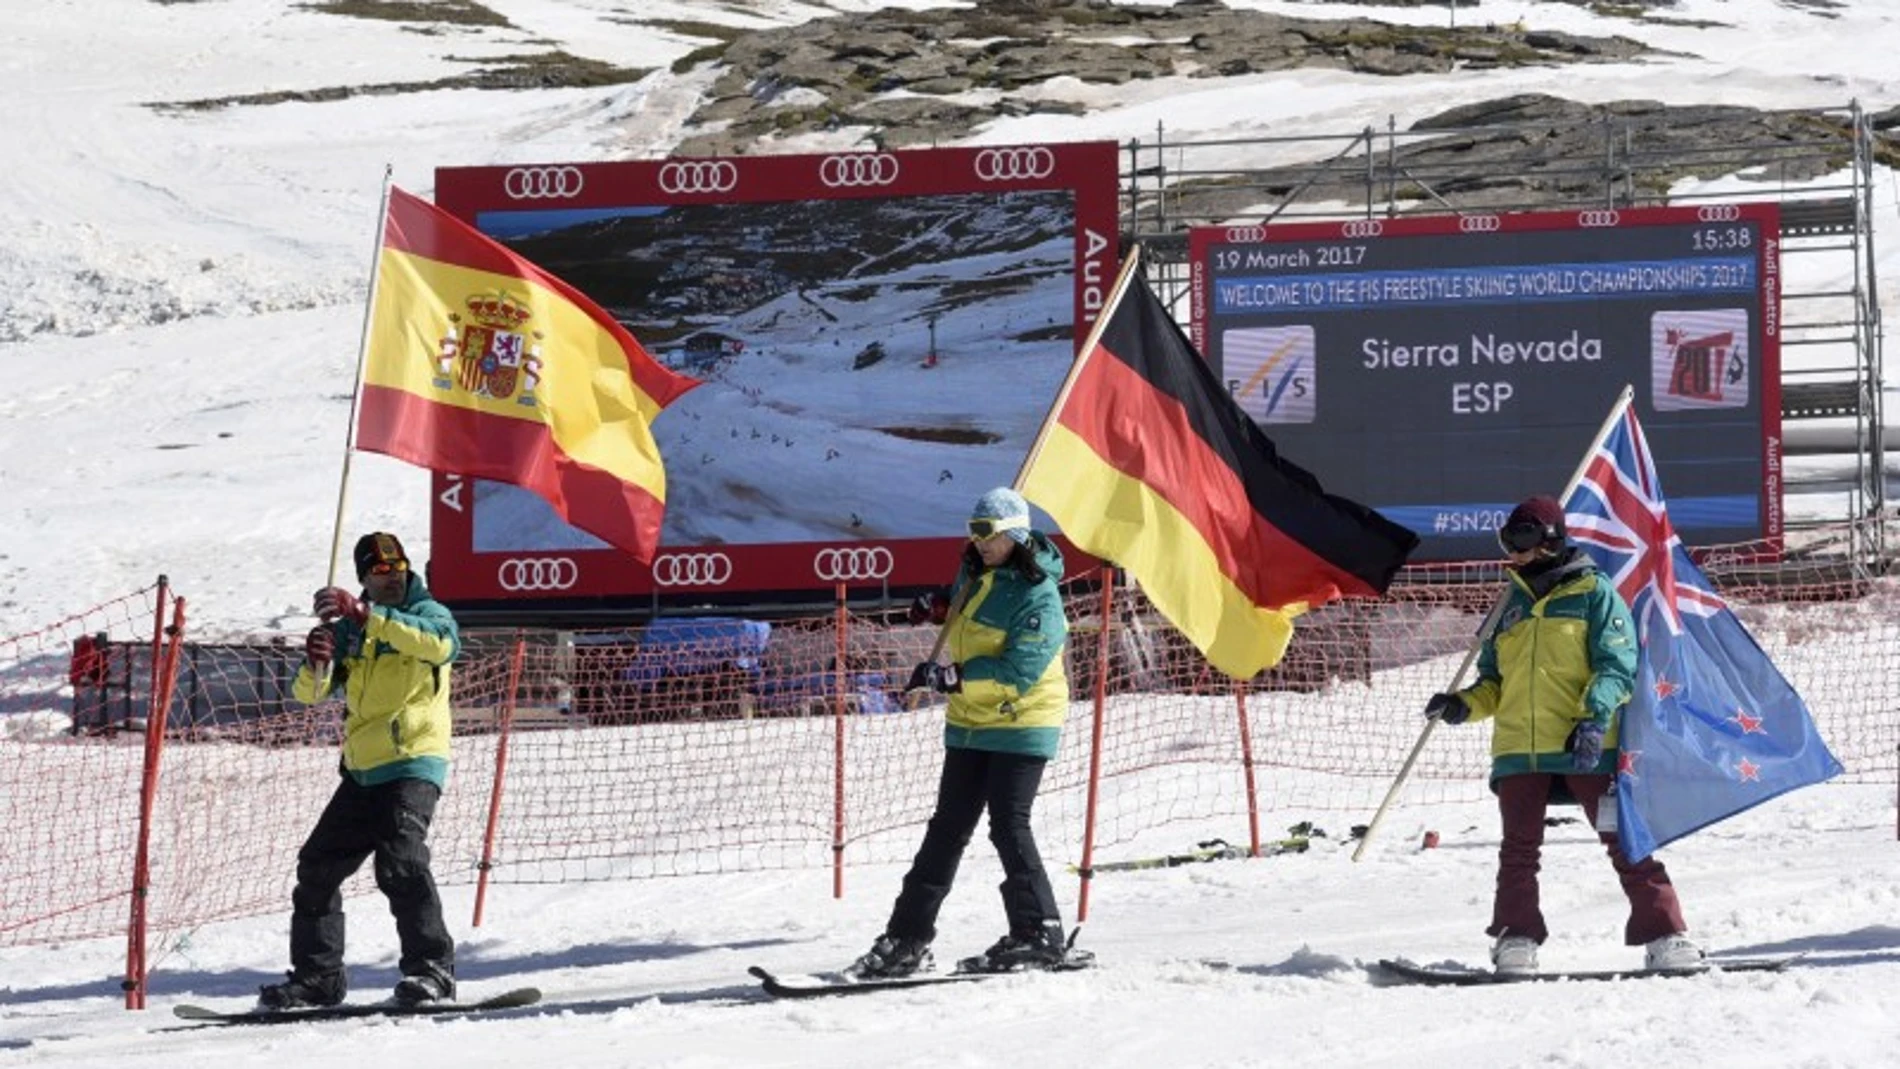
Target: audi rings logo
691, 569
863, 169
1718, 213
538, 573
542, 183
1246, 235
1363, 228
856, 562
699, 176
1014, 164
1598, 218
1478, 224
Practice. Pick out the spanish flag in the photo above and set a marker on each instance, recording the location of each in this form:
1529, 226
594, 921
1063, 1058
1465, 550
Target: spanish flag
1146, 461
480, 363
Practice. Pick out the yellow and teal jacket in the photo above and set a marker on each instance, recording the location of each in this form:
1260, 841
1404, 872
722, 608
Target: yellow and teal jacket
1564, 651
1007, 642
394, 674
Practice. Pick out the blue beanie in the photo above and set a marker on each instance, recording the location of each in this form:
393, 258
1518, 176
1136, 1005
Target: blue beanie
1007, 505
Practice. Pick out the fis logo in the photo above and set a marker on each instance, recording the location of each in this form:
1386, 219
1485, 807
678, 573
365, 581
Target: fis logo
1699, 359
1270, 372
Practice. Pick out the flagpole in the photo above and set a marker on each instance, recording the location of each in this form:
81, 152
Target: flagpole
1484, 630
1048, 421
356, 392
1115, 292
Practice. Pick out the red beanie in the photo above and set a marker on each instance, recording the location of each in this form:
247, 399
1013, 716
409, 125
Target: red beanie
1541, 511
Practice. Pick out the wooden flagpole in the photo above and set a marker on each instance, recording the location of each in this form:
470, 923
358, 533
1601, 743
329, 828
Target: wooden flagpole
1122, 281
1048, 420
1484, 631
356, 391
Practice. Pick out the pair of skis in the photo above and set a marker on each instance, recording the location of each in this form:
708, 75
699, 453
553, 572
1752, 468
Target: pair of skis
1210, 850
814, 985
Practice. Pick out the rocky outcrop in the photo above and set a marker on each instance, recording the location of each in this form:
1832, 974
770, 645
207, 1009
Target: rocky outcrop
922, 77
540, 70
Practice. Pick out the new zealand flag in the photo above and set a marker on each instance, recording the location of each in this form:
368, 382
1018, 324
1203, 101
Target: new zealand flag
1713, 728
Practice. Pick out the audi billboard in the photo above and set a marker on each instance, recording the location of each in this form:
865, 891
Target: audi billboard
1441, 368
878, 334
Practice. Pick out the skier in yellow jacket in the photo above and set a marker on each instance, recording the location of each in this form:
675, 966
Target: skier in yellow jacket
1554, 677
1008, 695
388, 652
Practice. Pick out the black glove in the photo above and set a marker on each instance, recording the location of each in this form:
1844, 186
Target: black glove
1585, 745
1450, 708
933, 676
932, 606
319, 646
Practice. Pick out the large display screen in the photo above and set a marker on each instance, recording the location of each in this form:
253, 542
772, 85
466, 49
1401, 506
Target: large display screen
1442, 368
879, 335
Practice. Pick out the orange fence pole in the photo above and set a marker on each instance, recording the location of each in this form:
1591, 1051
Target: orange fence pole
1246, 764
135, 957
501, 771
135, 925
1095, 743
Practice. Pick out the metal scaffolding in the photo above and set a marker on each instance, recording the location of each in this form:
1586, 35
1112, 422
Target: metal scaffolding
1816, 165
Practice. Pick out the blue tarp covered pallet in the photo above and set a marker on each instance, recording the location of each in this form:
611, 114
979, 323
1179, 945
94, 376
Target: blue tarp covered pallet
696, 645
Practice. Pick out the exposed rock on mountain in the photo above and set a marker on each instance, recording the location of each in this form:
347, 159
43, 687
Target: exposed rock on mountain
919, 77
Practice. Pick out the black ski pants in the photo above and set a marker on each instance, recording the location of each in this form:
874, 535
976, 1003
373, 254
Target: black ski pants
973, 780
390, 821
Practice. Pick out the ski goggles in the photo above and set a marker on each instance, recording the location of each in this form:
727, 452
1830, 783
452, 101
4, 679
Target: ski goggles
1524, 537
984, 527
388, 567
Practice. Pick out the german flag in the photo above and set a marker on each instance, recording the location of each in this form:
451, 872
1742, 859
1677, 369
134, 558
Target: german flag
480, 363
1146, 461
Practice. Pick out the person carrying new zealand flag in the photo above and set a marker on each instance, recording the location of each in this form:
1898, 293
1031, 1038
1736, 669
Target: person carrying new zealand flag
1555, 675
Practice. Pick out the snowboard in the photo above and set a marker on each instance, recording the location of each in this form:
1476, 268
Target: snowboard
815, 985
507, 1000
1468, 977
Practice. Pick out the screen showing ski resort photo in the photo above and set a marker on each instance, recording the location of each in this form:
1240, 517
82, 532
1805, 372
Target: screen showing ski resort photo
878, 337
1442, 368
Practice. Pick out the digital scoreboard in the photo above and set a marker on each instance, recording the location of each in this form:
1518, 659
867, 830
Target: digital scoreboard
1442, 368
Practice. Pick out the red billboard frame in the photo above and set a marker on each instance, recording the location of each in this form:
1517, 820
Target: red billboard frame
777, 571
1202, 242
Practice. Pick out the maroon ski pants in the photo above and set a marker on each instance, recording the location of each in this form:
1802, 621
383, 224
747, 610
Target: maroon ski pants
1522, 800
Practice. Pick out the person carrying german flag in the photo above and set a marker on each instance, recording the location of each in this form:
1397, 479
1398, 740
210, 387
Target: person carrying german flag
1008, 695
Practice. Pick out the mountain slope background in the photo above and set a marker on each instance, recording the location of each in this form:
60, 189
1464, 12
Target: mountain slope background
189, 210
